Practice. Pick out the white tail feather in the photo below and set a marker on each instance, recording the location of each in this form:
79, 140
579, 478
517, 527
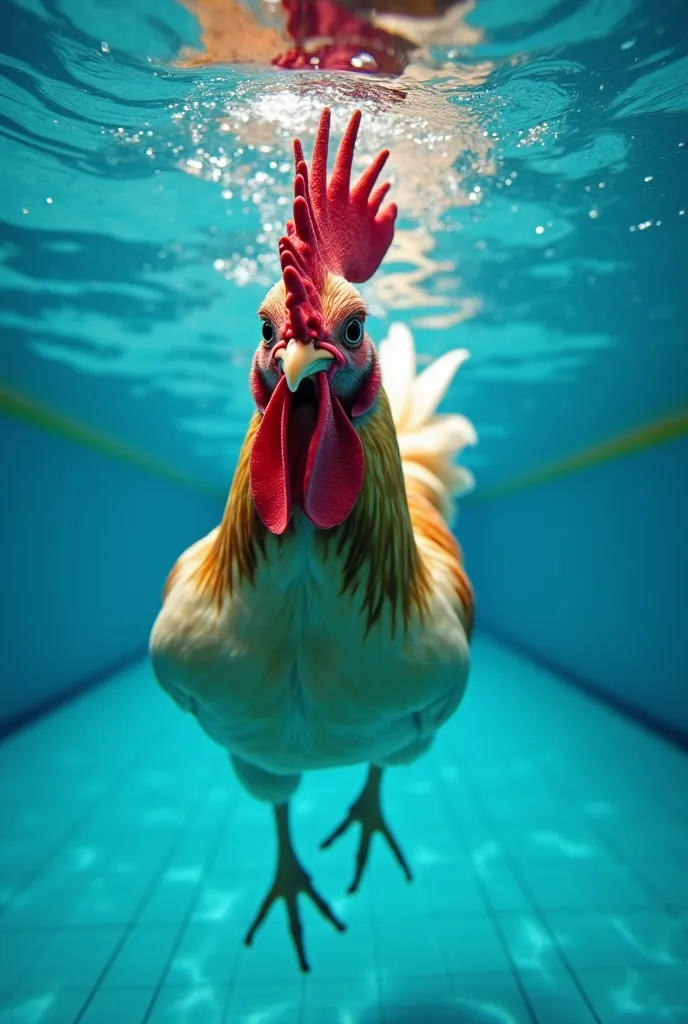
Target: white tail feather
430, 387
428, 441
398, 365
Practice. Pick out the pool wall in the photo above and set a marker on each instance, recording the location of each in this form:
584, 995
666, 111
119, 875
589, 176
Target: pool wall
586, 572
85, 545
589, 573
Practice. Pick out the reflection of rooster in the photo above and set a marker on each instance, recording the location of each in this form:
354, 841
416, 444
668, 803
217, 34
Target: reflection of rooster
435, 143
327, 34
326, 620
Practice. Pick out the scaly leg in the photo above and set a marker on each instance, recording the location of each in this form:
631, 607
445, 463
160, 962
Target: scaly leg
290, 880
368, 812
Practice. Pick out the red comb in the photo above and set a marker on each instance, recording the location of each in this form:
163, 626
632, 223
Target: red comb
336, 228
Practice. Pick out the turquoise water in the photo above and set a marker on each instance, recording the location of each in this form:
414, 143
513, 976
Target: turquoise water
152, 212
539, 161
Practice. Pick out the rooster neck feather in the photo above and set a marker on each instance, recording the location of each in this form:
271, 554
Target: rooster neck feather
376, 542
240, 540
375, 545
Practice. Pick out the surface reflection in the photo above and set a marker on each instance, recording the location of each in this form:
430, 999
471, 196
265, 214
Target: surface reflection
362, 37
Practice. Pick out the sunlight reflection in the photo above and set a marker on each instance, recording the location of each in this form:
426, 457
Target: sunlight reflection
216, 905
554, 840
424, 855
33, 1010
242, 144
185, 875
267, 1015
419, 288
202, 994
303, 807
634, 997
84, 857
534, 944
197, 997
662, 954
625, 999
484, 854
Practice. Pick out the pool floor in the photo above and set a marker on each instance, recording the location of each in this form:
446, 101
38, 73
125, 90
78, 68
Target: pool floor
548, 836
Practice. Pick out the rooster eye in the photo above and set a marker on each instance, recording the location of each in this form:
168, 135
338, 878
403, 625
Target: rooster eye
353, 332
268, 332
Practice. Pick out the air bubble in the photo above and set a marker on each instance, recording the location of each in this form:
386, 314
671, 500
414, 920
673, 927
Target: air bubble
364, 62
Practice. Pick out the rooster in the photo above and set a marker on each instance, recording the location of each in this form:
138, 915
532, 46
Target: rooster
326, 621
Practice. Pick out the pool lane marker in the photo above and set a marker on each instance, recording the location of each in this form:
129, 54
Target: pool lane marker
21, 407
662, 431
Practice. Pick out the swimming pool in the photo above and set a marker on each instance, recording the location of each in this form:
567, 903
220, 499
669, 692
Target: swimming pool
538, 160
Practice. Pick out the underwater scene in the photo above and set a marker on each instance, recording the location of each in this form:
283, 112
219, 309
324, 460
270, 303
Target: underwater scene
344, 431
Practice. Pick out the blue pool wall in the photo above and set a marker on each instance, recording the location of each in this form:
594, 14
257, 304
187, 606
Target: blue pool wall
586, 573
589, 573
85, 546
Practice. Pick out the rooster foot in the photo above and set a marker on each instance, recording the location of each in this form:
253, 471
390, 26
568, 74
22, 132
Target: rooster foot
290, 880
367, 811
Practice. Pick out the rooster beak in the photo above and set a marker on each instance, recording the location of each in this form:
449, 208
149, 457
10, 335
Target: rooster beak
301, 360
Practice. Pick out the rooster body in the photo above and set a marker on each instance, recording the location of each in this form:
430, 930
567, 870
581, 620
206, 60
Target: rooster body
287, 672
326, 620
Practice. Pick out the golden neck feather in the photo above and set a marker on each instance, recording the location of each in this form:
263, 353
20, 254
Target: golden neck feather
380, 560
376, 542
241, 538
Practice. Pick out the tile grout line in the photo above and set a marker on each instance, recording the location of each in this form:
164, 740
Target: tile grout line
489, 909
536, 907
212, 854
59, 845
617, 856
56, 929
166, 860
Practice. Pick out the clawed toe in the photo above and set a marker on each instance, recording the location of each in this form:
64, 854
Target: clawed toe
367, 812
287, 886
290, 880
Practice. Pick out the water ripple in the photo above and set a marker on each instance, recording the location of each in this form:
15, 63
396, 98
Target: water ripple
142, 202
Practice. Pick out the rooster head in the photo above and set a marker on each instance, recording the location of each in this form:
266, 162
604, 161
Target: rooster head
315, 372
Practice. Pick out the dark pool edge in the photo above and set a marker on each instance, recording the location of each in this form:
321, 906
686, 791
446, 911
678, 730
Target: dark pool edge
101, 677
655, 726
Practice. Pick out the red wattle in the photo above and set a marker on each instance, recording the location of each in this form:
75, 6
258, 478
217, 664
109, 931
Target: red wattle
335, 465
269, 465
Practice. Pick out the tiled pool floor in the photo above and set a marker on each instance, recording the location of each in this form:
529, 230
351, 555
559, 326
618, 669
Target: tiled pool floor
549, 839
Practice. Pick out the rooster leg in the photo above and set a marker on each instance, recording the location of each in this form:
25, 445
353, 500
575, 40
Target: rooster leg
367, 811
290, 880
